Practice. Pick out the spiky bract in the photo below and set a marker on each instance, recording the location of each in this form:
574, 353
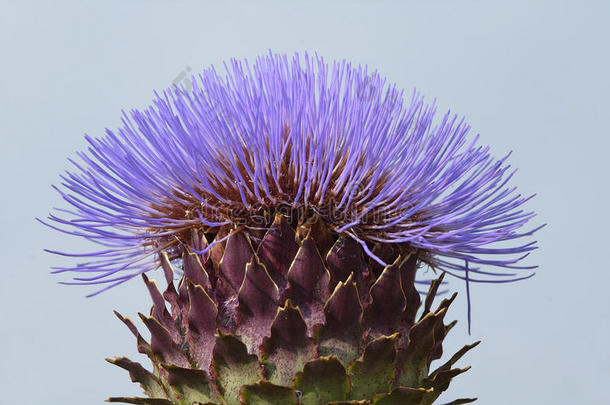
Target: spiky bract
296, 137
299, 317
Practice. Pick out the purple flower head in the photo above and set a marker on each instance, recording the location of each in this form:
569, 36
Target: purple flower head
293, 136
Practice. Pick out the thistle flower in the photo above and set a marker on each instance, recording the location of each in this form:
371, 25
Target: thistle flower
298, 199
298, 138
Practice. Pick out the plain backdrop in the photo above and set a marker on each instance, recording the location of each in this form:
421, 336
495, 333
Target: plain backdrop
530, 76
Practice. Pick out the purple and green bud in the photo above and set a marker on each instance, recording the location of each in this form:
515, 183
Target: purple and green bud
281, 321
297, 200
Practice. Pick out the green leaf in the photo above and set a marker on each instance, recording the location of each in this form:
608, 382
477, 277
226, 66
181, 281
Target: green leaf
233, 367
441, 381
404, 396
308, 282
461, 401
140, 401
432, 290
412, 362
341, 333
257, 304
265, 393
191, 385
162, 344
288, 348
388, 302
347, 257
277, 249
458, 355
323, 380
151, 384
373, 374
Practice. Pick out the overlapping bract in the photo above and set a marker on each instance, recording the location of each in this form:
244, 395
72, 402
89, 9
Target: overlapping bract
292, 319
292, 136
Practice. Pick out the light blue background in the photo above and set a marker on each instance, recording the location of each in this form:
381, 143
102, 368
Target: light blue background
530, 76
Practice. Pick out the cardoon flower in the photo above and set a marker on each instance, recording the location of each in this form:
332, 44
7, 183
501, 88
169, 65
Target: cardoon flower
298, 202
